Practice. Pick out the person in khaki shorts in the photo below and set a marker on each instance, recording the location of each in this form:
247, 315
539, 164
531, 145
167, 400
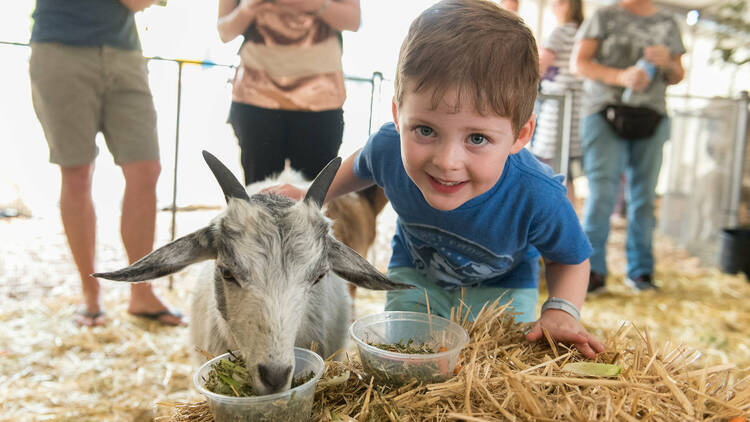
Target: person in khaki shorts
88, 75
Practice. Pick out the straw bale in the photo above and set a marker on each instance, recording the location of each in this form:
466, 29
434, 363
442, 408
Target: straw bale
52, 370
503, 377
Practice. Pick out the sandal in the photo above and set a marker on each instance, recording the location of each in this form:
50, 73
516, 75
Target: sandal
84, 318
157, 316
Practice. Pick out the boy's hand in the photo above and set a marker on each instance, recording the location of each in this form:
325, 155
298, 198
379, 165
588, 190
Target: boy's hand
564, 328
286, 190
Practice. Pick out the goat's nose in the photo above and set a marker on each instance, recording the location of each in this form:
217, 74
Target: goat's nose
274, 376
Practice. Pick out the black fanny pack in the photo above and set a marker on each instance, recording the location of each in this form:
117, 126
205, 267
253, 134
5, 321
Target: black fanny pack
632, 123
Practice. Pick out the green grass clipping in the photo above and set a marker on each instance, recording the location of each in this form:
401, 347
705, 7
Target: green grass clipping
593, 369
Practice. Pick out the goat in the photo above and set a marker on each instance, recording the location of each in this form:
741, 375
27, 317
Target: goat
354, 215
276, 279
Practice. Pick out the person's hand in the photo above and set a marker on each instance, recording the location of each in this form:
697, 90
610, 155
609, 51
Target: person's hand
658, 55
302, 6
564, 328
633, 77
286, 190
247, 5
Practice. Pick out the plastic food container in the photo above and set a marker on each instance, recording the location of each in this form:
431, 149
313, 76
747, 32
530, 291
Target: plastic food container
292, 405
439, 334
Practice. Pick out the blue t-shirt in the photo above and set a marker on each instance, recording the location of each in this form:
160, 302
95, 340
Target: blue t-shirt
89, 23
491, 240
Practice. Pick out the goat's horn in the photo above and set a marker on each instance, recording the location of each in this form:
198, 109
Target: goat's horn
319, 188
231, 187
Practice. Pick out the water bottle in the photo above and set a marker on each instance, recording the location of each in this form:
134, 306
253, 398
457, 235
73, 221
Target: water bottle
646, 66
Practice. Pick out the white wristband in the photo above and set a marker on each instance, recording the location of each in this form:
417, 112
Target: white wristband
562, 305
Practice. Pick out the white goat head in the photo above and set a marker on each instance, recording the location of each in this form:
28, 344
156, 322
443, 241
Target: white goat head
275, 277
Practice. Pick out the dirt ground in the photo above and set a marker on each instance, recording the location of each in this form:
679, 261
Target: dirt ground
52, 370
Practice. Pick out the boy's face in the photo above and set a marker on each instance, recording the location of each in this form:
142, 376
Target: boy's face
452, 156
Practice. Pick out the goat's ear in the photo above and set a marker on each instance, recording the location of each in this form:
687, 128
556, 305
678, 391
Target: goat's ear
231, 187
319, 187
347, 263
195, 247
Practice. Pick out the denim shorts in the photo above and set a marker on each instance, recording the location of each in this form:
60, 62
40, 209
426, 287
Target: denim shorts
442, 300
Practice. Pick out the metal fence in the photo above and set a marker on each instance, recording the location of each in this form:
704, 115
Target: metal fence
373, 81
702, 175
701, 184
216, 76
705, 179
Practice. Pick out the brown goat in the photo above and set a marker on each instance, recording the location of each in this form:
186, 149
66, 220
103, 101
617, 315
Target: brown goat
354, 219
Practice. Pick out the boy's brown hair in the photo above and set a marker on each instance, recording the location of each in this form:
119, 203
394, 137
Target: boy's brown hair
483, 51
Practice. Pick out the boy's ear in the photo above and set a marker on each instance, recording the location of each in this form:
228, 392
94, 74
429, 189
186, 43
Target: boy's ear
394, 110
524, 135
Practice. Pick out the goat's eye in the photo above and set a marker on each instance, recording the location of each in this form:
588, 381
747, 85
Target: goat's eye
228, 276
320, 277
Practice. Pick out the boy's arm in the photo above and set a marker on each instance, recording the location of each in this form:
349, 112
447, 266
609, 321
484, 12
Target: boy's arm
344, 182
567, 282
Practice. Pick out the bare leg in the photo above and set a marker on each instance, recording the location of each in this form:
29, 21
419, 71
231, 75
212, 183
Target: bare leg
137, 226
572, 193
79, 222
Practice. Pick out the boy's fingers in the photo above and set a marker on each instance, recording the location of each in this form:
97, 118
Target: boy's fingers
586, 350
567, 335
587, 344
596, 344
591, 347
572, 337
563, 335
535, 333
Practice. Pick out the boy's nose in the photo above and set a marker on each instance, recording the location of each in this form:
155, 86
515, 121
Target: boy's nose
447, 157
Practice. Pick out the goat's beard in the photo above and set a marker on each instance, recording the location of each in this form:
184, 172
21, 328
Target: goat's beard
263, 341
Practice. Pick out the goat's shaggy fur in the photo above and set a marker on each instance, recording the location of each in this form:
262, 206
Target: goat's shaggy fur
274, 279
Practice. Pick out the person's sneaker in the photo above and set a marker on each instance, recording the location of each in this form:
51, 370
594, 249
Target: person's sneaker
596, 282
642, 282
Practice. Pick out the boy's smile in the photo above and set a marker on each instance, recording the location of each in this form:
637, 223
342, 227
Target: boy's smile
453, 154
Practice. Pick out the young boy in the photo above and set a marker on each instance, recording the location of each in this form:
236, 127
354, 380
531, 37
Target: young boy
475, 208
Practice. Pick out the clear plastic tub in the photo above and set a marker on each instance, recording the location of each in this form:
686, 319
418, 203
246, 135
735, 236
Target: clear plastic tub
395, 368
292, 405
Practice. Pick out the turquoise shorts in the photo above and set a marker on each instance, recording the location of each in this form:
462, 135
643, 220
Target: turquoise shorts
442, 300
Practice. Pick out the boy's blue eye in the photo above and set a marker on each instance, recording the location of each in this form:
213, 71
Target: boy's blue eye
477, 139
424, 130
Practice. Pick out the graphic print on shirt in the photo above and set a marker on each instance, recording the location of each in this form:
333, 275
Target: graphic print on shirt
451, 260
627, 38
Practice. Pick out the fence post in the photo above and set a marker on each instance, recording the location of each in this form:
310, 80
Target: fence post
379, 77
173, 228
567, 127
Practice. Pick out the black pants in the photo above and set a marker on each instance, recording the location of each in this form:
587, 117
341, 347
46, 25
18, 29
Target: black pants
309, 139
